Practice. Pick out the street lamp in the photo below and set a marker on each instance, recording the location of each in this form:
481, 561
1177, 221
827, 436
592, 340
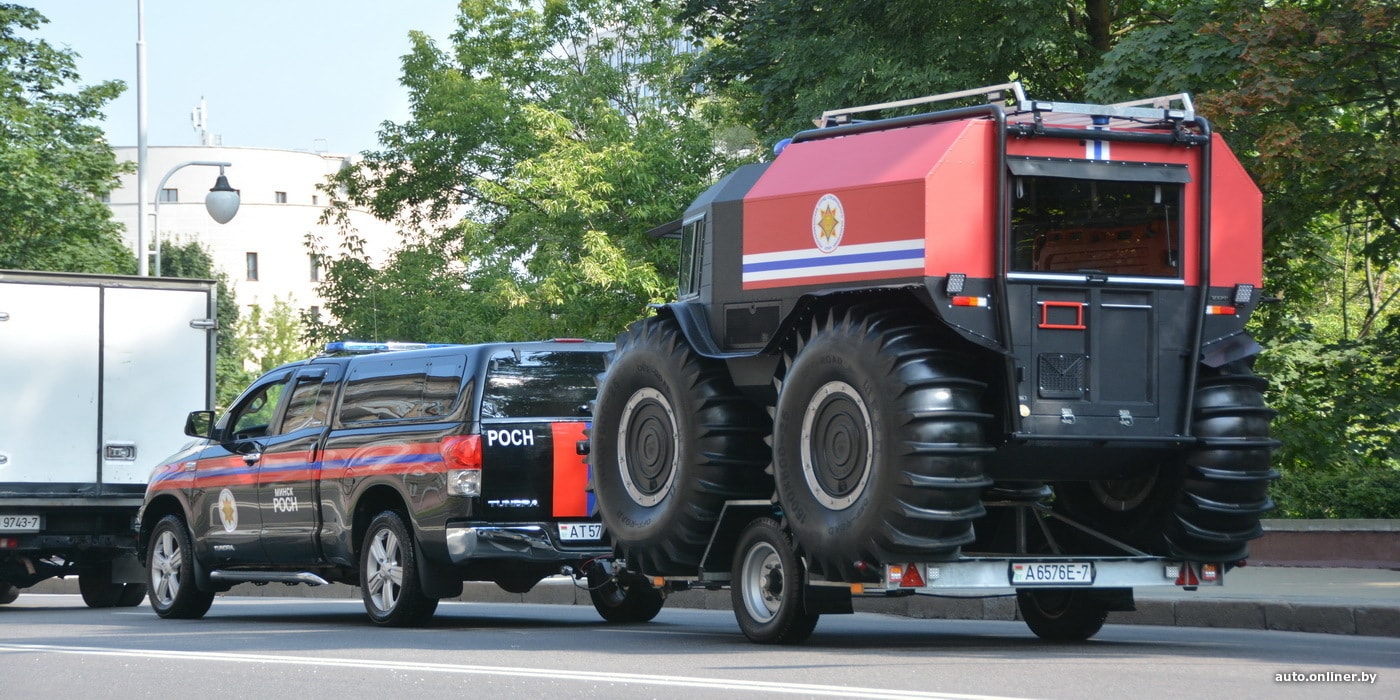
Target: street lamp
221, 202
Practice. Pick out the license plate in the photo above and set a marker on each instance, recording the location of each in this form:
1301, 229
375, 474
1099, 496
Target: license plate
11, 522
574, 532
1052, 573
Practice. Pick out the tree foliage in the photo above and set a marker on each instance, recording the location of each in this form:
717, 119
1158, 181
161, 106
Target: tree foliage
1306, 92
541, 147
782, 62
55, 166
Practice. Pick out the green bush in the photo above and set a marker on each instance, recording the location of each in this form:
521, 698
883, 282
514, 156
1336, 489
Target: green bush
1351, 493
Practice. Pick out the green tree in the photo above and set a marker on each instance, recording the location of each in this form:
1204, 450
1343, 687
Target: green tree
541, 147
191, 261
55, 166
1306, 91
780, 63
275, 337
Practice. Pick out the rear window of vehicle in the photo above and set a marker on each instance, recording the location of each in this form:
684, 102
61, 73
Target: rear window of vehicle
386, 389
540, 383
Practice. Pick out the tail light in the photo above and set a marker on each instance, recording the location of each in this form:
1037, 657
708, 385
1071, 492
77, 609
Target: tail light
462, 455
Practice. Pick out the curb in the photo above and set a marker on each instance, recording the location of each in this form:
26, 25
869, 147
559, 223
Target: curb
1372, 620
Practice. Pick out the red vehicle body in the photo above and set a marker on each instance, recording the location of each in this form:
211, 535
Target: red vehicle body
1015, 332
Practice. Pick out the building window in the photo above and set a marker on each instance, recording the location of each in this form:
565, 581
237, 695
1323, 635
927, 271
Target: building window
107, 198
281, 197
169, 195
252, 267
315, 267
315, 314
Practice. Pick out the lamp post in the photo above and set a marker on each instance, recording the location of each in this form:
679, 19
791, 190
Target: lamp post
221, 202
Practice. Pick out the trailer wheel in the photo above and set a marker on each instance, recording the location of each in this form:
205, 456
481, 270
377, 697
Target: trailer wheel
766, 586
389, 583
1203, 504
625, 597
8, 593
170, 563
672, 439
96, 586
878, 444
132, 595
1061, 614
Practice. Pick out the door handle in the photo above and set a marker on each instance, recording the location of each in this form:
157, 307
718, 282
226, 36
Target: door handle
252, 458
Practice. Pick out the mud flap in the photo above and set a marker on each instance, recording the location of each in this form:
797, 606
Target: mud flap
436, 580
1115, 599
827, 600
127, 569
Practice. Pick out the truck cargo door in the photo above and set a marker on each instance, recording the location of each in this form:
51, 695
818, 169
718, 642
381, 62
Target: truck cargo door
49, 362
1099, 312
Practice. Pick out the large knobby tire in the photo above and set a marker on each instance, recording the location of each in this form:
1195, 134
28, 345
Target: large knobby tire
1062, 614
878, 444
9, 593
170, 564
672, 440
625, 597
1203, 504
766, 586
389, 584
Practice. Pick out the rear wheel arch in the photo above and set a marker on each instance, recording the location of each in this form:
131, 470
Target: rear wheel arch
372, 501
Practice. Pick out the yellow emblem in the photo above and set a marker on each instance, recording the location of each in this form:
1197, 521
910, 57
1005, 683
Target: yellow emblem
828, 223
228, 510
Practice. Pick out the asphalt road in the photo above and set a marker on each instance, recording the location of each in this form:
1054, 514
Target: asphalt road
52, 646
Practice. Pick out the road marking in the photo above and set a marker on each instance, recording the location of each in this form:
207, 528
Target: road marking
537, 673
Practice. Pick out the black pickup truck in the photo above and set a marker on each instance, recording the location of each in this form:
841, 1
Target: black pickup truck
402, 471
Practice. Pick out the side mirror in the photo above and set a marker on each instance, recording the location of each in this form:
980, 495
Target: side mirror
200, 424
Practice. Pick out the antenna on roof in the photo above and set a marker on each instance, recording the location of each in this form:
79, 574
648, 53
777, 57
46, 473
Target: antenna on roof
199, 119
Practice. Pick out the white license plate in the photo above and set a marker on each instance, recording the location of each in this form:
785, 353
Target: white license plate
11, 522
1052, 573
575, 532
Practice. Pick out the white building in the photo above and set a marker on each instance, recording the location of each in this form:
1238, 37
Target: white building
263, 249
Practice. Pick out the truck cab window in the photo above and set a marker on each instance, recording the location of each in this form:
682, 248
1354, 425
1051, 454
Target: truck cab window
692, 237
304, 409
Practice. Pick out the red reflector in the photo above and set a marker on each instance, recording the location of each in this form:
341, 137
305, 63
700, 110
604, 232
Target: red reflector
912, 579
970, 301
461, 451
9, 543
568, 340
1187, 577
1220, 311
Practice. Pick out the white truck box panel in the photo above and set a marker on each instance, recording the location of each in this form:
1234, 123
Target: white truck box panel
153, 375
49, 360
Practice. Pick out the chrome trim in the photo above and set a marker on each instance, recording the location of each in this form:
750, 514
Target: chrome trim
1083, 278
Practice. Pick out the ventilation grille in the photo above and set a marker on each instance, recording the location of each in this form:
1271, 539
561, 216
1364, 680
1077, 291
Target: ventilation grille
1062, 375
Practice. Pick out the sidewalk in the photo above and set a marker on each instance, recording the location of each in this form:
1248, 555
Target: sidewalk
1327, 601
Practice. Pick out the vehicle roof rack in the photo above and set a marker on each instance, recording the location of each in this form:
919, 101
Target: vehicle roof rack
1150, 110
995, 94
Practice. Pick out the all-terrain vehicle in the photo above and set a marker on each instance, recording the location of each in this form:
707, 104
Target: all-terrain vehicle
998, 345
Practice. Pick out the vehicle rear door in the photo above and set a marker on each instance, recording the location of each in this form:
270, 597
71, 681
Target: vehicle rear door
289, 471
534, 411
1101, 316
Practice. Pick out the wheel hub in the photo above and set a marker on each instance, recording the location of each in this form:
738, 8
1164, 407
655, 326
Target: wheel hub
648, 447
837, 445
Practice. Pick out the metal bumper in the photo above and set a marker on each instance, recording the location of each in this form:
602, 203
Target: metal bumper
529, 542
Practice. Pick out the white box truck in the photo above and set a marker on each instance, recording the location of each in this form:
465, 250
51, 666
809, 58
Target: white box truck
97, 374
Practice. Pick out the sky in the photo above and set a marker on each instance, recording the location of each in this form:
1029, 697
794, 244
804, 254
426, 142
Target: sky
312, 75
